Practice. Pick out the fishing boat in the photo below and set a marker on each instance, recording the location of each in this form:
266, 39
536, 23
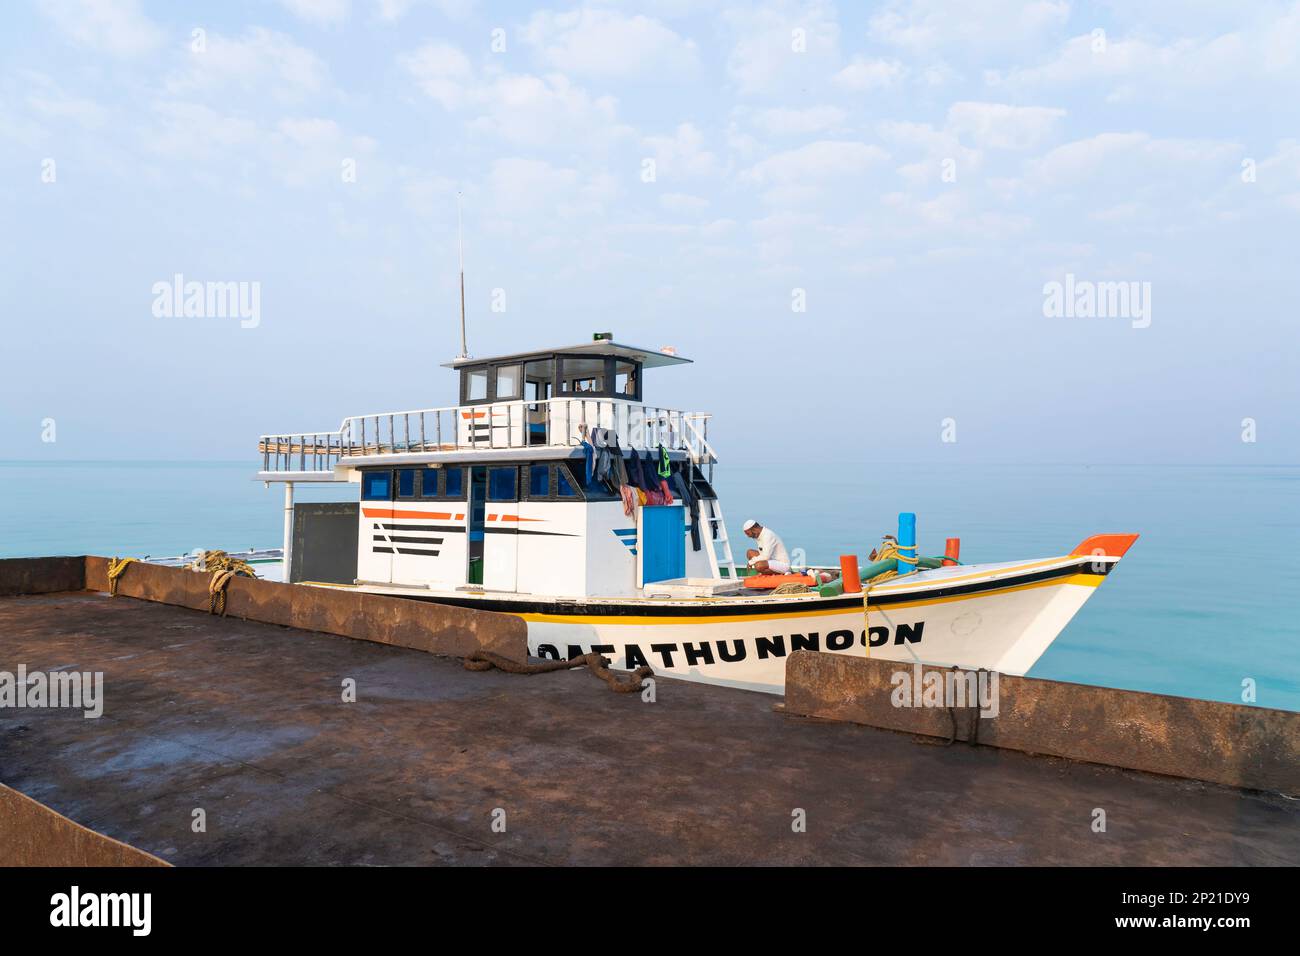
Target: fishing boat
553, 490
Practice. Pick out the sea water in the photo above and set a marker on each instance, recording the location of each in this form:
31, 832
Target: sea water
1206, 603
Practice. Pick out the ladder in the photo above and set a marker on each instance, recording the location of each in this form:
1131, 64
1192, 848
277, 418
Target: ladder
712, 518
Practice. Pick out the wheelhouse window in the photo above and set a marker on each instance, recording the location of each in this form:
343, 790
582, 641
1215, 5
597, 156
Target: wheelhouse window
627, 379
428, 482
583, 376
377, 486
539, 379
509, 385
476, 385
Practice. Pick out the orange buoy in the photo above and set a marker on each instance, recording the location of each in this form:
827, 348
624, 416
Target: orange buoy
849, 574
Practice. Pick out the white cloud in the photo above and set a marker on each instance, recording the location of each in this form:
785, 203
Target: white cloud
764, 57
117, 27
999, 126
1132, 161
782, 121
319, 12
683, 203
51, 102
802, 175
441, 71
261, 61
682, 154
865, 74
1267, 50
526, 109
530, 187
937, 27
606, 43
518, 107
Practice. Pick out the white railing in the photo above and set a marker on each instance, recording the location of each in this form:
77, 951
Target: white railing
556, 422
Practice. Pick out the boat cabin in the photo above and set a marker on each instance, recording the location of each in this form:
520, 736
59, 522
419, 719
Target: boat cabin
552, 477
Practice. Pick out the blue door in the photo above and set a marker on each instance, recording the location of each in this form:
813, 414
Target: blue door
663, 543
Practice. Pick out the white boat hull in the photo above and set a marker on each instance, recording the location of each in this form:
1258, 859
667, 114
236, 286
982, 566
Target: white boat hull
1000, 622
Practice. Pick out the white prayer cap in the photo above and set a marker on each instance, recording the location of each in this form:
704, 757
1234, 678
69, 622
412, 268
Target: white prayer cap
748, 524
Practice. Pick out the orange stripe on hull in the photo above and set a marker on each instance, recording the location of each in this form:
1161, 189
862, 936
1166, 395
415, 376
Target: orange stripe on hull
394, 513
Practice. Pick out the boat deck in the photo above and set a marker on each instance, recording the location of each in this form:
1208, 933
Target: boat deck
245, 720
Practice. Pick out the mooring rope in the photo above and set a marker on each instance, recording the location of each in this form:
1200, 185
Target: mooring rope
224, 569
116, 568
482, 660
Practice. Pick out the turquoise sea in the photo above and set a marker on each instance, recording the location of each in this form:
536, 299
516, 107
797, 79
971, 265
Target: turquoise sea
1209, 596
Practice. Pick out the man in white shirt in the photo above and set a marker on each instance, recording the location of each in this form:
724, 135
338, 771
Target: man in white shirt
770, 556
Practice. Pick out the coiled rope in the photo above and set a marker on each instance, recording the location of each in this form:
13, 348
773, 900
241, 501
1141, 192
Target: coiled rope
224, 569
116, 568
481, 660
889, 548
794, 587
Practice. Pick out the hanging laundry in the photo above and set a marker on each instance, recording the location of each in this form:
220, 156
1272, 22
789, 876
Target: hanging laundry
665, 466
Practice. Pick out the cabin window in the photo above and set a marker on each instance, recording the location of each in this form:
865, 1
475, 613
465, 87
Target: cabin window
476, 385
508, 382
428, 482
583, 376
626, 380
406, 483
501, 483
538, 377
563, 486
377, 486
454, 483
539, 481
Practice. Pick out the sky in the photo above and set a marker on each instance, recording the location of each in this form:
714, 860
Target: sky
851, 216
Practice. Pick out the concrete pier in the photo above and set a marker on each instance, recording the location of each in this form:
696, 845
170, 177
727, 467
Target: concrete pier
246, 721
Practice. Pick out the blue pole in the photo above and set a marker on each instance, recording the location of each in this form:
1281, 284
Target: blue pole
906, 543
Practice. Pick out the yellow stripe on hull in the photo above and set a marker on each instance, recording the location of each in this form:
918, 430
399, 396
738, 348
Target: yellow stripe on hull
796, 610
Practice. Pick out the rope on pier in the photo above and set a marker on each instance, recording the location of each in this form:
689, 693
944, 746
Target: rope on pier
482, 660
224, 569
116, 568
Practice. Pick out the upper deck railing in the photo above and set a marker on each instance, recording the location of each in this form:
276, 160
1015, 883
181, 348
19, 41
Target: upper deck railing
521, 425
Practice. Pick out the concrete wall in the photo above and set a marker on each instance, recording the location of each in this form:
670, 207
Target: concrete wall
1256, 748
31, 834
41, 575
423, 626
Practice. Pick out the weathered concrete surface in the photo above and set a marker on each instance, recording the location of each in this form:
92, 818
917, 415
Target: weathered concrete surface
41, 575
31, 834
433, 628
246, 721
1254, 747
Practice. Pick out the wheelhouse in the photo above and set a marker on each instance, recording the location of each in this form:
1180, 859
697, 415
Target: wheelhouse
513, 489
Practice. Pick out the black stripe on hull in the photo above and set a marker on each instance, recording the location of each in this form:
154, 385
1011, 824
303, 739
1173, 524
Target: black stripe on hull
794, 607
415, 551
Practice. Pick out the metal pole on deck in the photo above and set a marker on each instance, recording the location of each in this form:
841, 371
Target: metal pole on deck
460, 243
288, 528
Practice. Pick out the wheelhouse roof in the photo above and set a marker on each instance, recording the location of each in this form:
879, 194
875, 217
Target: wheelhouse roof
649, 358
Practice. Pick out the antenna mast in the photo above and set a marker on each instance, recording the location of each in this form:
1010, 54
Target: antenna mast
460, 241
